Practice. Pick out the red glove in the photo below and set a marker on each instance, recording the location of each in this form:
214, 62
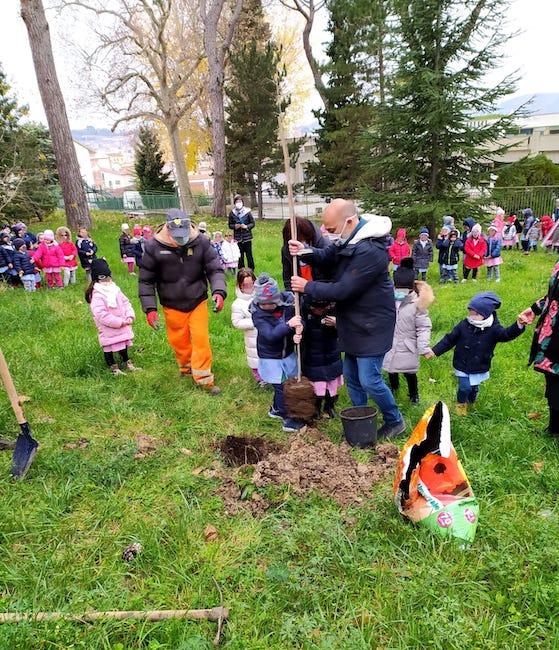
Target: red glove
153, 320
218, 302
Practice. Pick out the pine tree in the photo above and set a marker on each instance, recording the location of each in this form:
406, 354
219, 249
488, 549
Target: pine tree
149, 164
253, 152
425, 147
355, 84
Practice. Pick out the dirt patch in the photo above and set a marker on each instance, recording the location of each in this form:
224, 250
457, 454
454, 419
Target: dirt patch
244, 450
147, 445
311, 462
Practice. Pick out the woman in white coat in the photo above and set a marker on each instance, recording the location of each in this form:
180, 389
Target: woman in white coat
242, 319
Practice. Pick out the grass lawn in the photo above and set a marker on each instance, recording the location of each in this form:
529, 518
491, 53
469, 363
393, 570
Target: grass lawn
308, 574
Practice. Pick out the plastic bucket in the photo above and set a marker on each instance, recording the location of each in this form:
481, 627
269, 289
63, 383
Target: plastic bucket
360, 426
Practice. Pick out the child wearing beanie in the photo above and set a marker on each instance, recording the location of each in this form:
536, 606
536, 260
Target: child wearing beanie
113, 315
422, 253
23, 264
50, 258
412, 333
273, 315
474, 340
127, 245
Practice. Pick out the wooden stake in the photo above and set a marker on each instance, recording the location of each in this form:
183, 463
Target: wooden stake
213, 614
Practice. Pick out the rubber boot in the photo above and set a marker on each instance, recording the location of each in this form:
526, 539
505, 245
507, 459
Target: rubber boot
329, 402
461, 408
318, 404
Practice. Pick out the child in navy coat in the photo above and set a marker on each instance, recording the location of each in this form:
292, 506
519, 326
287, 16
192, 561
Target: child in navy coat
24, 264
273, 315
474, 340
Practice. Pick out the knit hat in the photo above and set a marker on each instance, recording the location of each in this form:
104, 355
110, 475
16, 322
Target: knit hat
266, 290
48, 235
404, 275
202, 226
178, 223
99, 269
137, 230
125, 226
492, 227
511, 219
401, 234
424, 231
18, 243
476, 230
485, 303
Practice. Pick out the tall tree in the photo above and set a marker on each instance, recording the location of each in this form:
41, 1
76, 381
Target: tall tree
216, 44
149, 163
153, 60
73, 191
355, 85
425, 145
253, 152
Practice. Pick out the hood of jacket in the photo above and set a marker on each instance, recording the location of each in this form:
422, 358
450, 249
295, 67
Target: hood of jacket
469, 222
374, 226
426, 297
242, 295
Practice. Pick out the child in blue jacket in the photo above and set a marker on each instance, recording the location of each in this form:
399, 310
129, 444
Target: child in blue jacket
474, 340
273, 315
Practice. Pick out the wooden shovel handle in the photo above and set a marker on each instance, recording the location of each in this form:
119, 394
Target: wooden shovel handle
212, 614
11, 389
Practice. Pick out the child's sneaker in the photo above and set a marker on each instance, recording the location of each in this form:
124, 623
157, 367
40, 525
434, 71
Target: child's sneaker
130, 366
274, 413
290, 425
115, 370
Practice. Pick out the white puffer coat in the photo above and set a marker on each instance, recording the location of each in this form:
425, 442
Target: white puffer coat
242, 320
413, 331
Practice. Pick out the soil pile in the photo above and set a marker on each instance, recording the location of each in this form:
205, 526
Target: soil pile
310, 462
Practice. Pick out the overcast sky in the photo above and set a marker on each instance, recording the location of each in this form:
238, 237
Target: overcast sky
534, 52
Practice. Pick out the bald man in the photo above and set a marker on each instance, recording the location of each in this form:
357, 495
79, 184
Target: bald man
364, 296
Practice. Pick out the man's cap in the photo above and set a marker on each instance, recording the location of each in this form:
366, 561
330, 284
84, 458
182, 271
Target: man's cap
178, 223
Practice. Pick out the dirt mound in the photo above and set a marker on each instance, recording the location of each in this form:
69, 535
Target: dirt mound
311, 462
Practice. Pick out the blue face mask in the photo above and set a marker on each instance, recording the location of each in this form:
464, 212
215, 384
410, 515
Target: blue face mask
180, 241
400, 295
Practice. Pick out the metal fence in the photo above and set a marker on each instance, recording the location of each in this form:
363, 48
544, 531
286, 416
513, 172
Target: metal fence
541, 199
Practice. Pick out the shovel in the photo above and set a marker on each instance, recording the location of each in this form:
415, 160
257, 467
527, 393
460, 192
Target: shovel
26, 446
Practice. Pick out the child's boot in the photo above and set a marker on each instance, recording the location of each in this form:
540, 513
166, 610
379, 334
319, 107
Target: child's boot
461, 408
115, 369
318, 405
130, 366
329, 402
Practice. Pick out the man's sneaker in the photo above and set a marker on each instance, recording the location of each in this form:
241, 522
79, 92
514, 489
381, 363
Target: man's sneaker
274, 413
391, 430
290, 425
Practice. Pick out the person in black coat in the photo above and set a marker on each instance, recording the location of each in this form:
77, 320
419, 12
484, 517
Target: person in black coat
320, 354
241, 222
364, 296
307, 233
474, 340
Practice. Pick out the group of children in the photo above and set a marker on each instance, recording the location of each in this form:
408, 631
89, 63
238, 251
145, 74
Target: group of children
132, 245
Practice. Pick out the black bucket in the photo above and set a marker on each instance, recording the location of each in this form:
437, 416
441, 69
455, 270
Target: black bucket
360, 426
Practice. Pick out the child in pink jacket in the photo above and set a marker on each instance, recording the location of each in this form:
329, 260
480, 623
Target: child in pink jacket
113, 315
50, 258
399, 249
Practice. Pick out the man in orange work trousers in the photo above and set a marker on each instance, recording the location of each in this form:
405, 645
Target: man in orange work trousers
179, 263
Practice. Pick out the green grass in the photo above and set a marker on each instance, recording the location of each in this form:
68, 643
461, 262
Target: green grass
307, 575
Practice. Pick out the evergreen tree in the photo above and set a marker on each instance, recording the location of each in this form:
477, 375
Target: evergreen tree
253, 152
149, 163
528, 171
355, 84
426, 147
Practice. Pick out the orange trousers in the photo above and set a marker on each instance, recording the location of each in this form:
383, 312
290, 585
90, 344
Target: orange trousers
189, 337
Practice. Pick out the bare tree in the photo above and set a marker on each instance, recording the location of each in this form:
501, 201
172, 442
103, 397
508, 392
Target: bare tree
152, 59
308, 9
73, 192
216, 48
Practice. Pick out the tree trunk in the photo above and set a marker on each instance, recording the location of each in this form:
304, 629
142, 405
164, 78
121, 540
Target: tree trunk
187, 202
73, 192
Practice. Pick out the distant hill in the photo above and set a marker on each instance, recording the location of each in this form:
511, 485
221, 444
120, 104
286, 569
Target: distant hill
542, 104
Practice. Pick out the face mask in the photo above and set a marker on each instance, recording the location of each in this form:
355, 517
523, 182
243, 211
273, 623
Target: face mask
180, 241
400, 295
333, 238
238, 205
336, 237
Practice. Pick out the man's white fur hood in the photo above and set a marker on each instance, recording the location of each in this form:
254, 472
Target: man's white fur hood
376, 226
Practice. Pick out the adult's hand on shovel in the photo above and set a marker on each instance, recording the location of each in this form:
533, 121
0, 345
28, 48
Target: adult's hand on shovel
153, 320
295, 247
298, 284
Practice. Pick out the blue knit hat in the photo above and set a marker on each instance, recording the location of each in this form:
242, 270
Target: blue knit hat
485, 303
266, 290
424, 231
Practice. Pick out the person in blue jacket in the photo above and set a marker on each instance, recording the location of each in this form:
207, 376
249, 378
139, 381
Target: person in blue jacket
23, 264
364, 295
474, 340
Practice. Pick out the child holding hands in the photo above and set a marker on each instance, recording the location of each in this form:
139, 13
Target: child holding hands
474, 340
273, 315
113, 315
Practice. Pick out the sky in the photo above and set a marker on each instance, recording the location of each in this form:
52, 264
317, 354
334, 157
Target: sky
533, 53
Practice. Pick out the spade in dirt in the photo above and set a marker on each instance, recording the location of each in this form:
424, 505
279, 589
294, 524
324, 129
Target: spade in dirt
25, 445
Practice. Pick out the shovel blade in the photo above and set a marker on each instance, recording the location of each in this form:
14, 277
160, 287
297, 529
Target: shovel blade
24, 452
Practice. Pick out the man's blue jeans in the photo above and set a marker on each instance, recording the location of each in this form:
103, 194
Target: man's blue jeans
363, 376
